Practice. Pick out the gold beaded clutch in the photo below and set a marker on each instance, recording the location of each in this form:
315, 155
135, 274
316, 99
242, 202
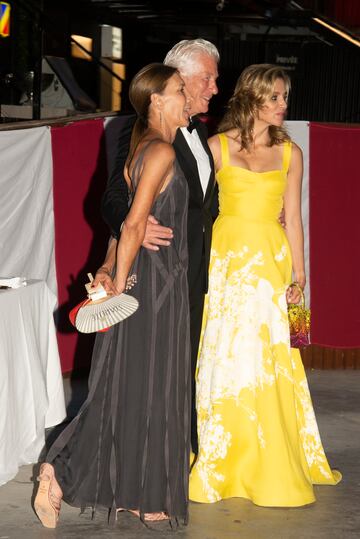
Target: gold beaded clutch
299, 321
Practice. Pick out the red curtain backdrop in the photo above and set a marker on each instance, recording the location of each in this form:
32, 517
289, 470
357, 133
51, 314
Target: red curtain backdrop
79, 163
348, 12
80, 173
335, 235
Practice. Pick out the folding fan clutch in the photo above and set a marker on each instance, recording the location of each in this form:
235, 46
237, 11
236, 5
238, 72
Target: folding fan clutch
101, 311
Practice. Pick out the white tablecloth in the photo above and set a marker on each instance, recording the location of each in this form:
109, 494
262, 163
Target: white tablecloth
31, 388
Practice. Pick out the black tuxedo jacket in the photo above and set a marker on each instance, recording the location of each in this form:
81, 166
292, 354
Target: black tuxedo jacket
202, 209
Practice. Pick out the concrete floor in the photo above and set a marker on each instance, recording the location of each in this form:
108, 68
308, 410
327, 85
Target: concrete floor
335, 515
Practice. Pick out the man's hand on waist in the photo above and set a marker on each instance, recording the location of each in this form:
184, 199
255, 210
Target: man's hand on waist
156, 235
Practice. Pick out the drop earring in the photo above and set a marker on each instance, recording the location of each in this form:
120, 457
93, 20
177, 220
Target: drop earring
161, 120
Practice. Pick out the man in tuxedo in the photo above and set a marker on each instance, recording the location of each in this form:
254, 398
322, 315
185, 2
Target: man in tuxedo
197, 62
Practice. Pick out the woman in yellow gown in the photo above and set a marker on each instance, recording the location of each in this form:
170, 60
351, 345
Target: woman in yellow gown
258, 436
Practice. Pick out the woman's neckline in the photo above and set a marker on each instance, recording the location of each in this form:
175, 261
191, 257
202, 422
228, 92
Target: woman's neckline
244, 168
252, 171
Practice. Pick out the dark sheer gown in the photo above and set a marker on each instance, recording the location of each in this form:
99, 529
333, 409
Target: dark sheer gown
129, 446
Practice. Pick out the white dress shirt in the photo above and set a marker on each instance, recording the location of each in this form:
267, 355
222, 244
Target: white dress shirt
202, 158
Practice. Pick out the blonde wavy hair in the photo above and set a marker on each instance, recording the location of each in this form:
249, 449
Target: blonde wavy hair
254, 86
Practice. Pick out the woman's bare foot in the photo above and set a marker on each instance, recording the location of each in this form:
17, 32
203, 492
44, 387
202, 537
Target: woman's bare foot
150, 517
156, 517
48, 498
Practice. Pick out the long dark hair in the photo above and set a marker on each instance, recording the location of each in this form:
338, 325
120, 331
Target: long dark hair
151, 79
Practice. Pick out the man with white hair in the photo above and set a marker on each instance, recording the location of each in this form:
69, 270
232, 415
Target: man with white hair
197, 62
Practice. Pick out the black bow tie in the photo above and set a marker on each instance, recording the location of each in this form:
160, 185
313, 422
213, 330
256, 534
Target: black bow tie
191, 126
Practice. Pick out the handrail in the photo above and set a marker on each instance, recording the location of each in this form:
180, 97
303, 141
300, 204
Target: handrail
27, 124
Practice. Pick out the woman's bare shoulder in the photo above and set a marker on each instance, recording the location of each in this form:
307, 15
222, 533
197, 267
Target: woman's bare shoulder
160, 149
296, 158
215, 148
295, 150
214, 139
158, 154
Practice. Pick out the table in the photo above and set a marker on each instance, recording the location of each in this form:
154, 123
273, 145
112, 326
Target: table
31, 388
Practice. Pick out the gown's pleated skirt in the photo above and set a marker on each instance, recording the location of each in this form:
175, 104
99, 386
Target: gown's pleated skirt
129, 445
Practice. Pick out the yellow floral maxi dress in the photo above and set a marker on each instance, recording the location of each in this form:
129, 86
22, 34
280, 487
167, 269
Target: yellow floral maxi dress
258, 436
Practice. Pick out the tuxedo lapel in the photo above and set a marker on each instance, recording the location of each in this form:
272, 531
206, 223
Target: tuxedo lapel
188, 164
203, 138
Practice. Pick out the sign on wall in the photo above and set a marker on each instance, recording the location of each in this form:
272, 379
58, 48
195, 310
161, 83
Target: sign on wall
4, 19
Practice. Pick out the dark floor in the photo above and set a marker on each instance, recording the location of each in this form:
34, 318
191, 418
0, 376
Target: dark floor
335, 515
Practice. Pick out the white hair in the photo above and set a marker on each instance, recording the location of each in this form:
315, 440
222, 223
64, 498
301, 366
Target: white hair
183, 54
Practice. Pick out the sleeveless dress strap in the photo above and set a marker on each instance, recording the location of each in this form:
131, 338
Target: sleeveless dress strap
224, 150
286, 156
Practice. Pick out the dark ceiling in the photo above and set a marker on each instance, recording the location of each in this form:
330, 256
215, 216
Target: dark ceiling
203, 11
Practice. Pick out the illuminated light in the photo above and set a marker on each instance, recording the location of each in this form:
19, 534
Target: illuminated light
4, 19
111, 42
86, 43
337, 31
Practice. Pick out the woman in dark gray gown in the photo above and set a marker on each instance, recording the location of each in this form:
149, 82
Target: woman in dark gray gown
128, 447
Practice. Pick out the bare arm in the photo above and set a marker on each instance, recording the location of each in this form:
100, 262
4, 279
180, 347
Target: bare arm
215, 148
103, 274
114, 204
158, 163
294, 227
156, 235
